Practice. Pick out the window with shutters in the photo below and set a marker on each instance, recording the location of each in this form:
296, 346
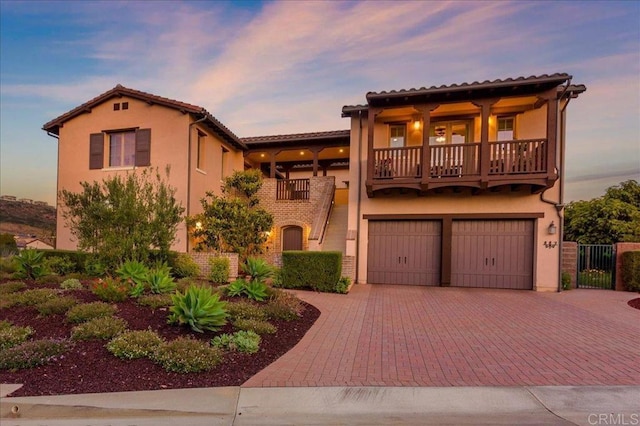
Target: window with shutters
126, 148
122, 149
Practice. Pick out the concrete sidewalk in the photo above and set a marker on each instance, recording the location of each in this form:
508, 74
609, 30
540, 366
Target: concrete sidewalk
536, 405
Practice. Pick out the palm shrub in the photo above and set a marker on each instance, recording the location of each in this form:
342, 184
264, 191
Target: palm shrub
236, 288
198, 307
256, 290
30, 264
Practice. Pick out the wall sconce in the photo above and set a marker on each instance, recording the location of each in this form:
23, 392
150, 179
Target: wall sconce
198, 225
416, 125
552, 228
550, 244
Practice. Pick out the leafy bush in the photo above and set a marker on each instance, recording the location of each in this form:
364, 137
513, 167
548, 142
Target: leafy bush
317, 270
566, 281
8, 245
57, 305
94, 267
35, 296
219, 269
343, 285
284, 306
110, 289
241, 341
30, 264
185, 267
32, 354
12, 287
9, 299
185, 355
88, 311
630, 270
7, 265
155, 301
258, 269
135, 344
200, 308
11, 335
49, 279
245, 310
235, 288
103, 328
71, 284
160, 281
61, 265
257, 326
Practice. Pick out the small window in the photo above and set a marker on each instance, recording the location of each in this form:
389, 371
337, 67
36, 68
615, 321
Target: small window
505, 128
116, 107
397, 135
122, 149
200, 164
125, 105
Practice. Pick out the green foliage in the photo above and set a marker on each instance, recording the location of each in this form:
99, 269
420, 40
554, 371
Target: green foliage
8, 245
609, 219
219, 269
284, 306
12, 287
241, 341
7, 265
343, 285
57, 305
35, 296
94, 267
185, 355
102, 328
11, 335
123, 217
88, 311
200, 308
61, 265
155, 301
185, 267
630, 270
134, 271
72, 261
71, 284
233, 222
160, 281
317, 270
135, 344
49, 279
566, 281
30, 264
257, 326
32, 354
256, 290
110, 289
236, 288
245, 310
258, 269
595, 278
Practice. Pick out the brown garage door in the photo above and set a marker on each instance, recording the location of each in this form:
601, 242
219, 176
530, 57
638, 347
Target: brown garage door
404, 252
492, 254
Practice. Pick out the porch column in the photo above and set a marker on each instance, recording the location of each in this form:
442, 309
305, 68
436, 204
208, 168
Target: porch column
371, 159
485, 153
425, 111
272, 169
315, 152
552, 131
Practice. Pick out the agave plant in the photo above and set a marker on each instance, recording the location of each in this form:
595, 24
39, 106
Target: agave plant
256, 290
134, 271
160, 281
257, 268
198, 307
236, 288
30, 264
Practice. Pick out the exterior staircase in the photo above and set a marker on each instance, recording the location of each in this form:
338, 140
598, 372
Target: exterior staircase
336, 233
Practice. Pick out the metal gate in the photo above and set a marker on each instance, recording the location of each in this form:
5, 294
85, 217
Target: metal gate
596, 266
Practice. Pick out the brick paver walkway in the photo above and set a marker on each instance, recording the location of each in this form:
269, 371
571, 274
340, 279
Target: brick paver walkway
381, 335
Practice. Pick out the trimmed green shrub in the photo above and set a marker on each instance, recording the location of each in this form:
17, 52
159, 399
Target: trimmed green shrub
186, 355
61, 265
103, 328
48, 278
155, 301
343, 285
219, 270
241, 341
246, 310
57, 305
11, 335
30, 264
135, 344
35, 296
566, 281
317, 270
200, 308
110, 289
630, 270
32, 354
7, 265
257, 326
71, 284
284, 306
88, 311
12, 287
77, 258
185, 267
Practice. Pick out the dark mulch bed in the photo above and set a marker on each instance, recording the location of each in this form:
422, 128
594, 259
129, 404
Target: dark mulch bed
634, 303
89, 368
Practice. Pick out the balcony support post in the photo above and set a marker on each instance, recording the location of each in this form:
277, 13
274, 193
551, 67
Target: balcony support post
315, 152
425, 111
552, 131
371, 157
485, 153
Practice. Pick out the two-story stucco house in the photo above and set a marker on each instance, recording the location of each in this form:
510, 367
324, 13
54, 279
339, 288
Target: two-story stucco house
460, 185
455, 185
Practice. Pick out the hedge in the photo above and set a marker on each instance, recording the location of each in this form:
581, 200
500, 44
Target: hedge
317, 270
79, 258
630, 270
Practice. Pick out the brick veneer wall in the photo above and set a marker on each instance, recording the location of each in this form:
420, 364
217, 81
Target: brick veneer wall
202, 259
621, 248
570, 260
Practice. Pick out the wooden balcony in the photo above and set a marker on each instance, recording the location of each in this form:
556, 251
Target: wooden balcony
474, 165
292, 189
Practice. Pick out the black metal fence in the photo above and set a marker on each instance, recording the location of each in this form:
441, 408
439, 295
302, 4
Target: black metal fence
596, 266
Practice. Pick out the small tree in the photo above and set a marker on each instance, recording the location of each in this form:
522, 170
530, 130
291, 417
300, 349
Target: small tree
233, 222
8, 245
123, 218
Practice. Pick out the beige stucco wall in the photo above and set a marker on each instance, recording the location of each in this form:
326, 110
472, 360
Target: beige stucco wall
545, 259
169, 147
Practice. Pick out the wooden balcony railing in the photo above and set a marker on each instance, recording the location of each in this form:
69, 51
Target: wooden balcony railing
292, 189
397, 162
455, 160
513, 157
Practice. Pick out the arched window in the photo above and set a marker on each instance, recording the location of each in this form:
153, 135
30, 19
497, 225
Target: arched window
291, 238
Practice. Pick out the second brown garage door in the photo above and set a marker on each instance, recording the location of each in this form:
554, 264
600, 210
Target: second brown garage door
404, 252
492, 254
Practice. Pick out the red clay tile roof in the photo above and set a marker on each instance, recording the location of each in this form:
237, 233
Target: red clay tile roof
297, 137
54, 125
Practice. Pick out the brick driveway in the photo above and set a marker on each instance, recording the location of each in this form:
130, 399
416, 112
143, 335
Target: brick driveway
382, 335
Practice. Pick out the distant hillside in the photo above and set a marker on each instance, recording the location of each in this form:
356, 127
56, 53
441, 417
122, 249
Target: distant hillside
17, 217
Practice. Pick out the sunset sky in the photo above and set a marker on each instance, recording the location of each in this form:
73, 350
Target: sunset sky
286, 67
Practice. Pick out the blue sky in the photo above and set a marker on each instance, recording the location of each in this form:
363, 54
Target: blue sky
284, 67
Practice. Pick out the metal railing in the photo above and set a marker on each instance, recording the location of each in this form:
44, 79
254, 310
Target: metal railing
292, 189
596, 266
